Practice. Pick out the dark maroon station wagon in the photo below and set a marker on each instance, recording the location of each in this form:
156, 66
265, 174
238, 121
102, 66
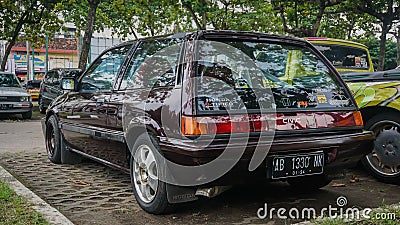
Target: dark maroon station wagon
191, 114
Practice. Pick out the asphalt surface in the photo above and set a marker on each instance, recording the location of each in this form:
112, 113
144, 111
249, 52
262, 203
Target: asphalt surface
90, 193
18, 136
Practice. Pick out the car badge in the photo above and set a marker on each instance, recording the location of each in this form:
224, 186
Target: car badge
286, 102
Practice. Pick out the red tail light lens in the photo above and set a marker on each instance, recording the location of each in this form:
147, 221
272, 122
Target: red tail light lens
222, 124
258, 123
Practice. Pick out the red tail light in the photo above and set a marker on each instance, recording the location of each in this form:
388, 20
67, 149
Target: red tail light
223, 124
257, 123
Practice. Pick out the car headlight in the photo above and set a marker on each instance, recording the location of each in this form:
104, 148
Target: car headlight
25, 99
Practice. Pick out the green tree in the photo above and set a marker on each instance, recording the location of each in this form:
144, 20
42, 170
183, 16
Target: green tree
32, 17
88, 16
386, 12
373, 45
341, 21
302, 18
232, 15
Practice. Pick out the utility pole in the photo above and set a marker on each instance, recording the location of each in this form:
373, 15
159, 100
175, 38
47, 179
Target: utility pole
33, 64
28, 61
47, 53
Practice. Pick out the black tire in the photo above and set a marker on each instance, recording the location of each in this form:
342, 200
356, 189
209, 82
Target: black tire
158, 202
384, 160
42, 109
27, 115
53, 140
57, 152
309, 183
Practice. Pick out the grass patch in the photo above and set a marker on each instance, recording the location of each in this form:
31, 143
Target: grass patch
386, 215
15, 210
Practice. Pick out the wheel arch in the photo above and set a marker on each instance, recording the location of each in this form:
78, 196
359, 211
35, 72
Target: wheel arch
369, 112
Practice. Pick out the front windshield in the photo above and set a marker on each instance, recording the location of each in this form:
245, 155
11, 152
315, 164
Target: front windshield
242, 75
8, 80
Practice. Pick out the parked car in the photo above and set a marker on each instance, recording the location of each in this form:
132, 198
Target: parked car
376, 94
33, 86
147, 106
50, 86
13, 98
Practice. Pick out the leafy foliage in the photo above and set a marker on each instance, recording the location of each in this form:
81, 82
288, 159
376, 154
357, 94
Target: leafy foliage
373, 47
33, 18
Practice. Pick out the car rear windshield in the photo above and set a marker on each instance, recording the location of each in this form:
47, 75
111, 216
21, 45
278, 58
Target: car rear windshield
33, 84
345, 56
245, 75
8, 80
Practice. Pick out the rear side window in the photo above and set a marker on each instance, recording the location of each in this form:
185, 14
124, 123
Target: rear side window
154, 64
241, 75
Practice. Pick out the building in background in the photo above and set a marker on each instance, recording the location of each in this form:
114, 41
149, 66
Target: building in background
63, 52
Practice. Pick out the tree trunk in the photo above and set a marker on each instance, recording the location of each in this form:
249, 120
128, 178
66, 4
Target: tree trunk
204, 15
317, 22
193, 15
382, 47
87, 38
398, 45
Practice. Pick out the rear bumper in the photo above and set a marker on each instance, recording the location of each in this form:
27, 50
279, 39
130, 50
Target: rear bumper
341, 151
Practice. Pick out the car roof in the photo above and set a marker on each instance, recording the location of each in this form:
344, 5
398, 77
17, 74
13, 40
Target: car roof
323, 40
228, 34
7, 73
65, 69
34, 81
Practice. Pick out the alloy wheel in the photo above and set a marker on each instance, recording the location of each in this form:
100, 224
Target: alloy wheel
145, 173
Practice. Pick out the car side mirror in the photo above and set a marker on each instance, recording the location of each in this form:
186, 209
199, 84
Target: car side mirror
68, 83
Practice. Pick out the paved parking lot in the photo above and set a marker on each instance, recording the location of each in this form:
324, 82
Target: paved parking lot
90, 193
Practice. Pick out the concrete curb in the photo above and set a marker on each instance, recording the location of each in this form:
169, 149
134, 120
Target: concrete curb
52, 215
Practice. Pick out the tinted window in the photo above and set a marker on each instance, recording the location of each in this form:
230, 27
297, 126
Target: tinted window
102, 73
153, 64
345, 56
49, 76
56, 77
244, 75
33, 84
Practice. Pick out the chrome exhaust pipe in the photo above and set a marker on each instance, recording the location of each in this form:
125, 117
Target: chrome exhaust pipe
212, 191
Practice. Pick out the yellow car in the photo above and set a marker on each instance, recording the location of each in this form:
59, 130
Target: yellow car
33, 86
377, 95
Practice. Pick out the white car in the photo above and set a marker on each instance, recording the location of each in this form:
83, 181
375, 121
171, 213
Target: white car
13, 98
